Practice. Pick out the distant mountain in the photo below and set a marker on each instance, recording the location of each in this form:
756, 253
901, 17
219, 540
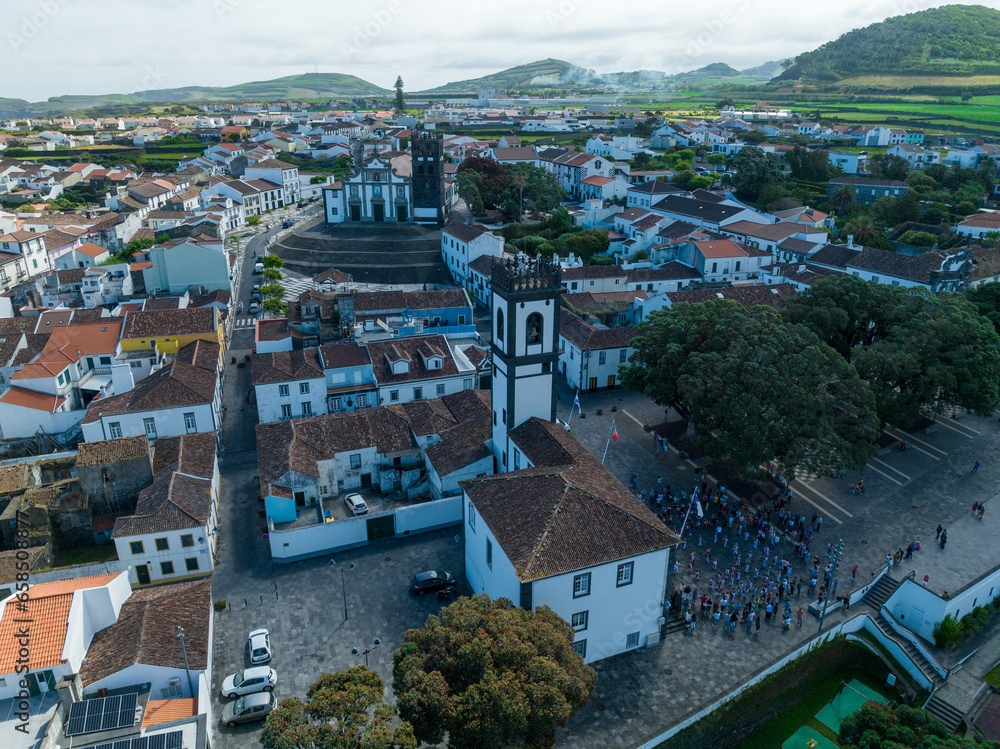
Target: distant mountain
951, 40
766, 71
716, 70
548, 73
289, 88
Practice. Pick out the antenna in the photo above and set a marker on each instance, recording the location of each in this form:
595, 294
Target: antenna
315, 67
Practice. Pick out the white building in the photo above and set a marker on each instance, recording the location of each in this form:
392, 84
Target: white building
193, 261
419, 367
463, 244
591, 355
65, 616
31, 247
171, 536
280, 173
289, 384
183, 397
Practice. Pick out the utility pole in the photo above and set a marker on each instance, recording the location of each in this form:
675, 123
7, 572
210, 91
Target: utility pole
833, 577
180, 635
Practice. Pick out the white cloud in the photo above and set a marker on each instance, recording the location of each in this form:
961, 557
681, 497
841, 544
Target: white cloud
58, 47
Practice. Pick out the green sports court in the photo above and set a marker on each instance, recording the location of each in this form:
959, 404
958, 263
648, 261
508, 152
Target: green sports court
850, 697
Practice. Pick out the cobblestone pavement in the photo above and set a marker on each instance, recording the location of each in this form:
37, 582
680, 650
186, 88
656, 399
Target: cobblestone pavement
642, 693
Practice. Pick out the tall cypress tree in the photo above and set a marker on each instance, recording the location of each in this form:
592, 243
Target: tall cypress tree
399, 105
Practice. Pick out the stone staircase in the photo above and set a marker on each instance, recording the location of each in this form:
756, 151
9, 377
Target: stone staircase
951, 717
880, 592
915, 655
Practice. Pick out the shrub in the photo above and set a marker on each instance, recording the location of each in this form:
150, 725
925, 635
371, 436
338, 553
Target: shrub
947, 632
220, 604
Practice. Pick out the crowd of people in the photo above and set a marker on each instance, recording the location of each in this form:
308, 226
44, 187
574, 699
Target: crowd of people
739, 565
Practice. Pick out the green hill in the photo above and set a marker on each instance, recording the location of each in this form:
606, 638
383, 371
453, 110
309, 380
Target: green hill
539, 74
289, 88
947, 41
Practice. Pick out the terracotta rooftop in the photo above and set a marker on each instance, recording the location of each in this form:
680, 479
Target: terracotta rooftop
146, 632
172, 322
587, 337
566, 513
16, 396
69, 343
284, 366
108, 451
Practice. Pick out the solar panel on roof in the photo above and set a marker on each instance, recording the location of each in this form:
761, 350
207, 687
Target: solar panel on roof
126, 713
110, 717
175, 740
95, 715
77, 714
103, 746
157, 741
126, 744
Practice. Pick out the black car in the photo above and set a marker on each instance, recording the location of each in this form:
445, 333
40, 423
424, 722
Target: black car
431, 581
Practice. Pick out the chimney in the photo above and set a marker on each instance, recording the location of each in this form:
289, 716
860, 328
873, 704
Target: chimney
850, 240
121, 378
70, 690
802, 268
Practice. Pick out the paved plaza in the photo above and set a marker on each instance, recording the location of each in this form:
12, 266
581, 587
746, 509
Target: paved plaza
639, 694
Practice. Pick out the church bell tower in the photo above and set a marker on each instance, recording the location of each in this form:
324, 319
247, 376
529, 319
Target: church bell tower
525, 309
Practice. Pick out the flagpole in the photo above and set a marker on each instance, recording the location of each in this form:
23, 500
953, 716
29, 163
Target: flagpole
576, 404
609, 441
686, 516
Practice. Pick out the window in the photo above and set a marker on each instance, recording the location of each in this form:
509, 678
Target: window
282, 390
505, 416
632, 641
356, 460
625, 573
162, 544
303, 388
489, 553
393, 395
499, 325
622, 356
603, 358
472, 517
189, 423
874, 279
307, 408
187, 541
579, 620
136, 548
580, 646
336, 405
546, 367
191, 563
150, 426
534, 329
286, 411
418, 393
439, 389
166, 568
362, 401
737, 268
581, 585
715, 267
115, 430
461, 319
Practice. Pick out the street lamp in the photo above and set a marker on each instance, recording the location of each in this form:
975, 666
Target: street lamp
366, 651
180, 636
343, 582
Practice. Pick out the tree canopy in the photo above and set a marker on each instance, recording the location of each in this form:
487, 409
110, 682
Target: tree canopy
880, 726
490, 674
754, 387
755, 170
345, 711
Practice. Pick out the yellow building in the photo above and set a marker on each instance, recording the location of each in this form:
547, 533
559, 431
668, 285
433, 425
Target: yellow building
169, 330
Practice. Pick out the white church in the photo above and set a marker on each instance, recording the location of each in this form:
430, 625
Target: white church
553, 526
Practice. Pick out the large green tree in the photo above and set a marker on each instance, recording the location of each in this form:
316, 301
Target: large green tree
844, 199
754, 387
399, 103
884, 166
489, 674
345, 711
986, 298
880, 726
811, 166
755, 170
540, 190
491, 179
944, 355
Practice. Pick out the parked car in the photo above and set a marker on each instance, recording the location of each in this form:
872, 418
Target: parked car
430, 581
356, 504
250, 708
258, 267
248, 681
253, 308
286, 223
259, 645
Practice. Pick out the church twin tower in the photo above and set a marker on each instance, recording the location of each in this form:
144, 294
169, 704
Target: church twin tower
525, 307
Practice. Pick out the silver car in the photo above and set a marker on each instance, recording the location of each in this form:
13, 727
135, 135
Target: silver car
248, 681
248, 709
259, 645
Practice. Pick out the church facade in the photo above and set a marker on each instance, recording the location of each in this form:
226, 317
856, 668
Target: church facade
392, 187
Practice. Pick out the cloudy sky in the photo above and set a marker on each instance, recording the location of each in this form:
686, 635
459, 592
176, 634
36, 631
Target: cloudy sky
57, 47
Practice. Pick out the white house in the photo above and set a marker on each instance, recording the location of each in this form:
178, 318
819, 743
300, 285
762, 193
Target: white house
462, 244
850, 163
192, 261
419, 367
31, 247
65, 616
979, 224
289, 384
592, 354
350, 377
171, 536
142, 647
183, 397
570, 536
280, 173
84, 256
